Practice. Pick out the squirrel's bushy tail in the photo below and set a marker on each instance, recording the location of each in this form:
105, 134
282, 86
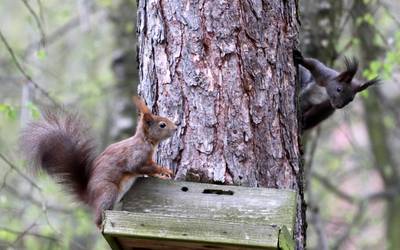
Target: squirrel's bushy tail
59, 144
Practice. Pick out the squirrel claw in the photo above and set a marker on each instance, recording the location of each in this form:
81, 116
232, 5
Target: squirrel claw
165, 173
163, 177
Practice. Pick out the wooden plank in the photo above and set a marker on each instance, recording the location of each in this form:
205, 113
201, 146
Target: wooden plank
255, 206
166, 215
112, 241
133, 228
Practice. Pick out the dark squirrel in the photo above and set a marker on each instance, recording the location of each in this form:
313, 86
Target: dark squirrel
323, 90
59, 145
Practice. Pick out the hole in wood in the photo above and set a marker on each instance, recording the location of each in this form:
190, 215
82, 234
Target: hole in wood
185, 189
217, 191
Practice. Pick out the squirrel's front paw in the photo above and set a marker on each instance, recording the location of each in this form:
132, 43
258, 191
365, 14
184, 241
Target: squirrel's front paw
164, 173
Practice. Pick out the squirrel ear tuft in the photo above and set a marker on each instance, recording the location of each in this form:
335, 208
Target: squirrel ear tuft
351, 70
141, 105
367, 84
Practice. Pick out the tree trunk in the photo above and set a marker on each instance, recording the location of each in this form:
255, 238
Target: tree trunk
377, 131
224, 71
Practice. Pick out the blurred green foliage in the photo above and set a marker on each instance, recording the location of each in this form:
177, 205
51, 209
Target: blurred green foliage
73, 67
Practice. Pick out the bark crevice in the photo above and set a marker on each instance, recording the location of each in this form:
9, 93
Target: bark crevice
225, 72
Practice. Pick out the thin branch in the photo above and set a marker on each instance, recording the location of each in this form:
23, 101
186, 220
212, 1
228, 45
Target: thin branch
14, 192
314, 143
23, 233
345, 48
44, 204
16, 169
54, 36
333, 188
38, 22
24, 73
40, 6
59, 32
29, 233
346, 19
315, 218
4, 182
316, 221
355, 222
386, 194
383, 4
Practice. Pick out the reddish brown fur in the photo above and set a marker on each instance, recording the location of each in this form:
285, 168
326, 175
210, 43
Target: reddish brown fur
97, 182
59, 145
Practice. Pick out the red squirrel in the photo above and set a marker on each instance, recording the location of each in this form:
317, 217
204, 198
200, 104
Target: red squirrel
323, 90
59, 145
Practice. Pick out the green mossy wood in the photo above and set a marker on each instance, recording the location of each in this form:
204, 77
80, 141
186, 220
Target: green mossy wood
164, 214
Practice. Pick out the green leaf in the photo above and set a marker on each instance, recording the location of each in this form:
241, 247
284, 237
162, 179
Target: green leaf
8, 110
7, 236
34, 110
364, 94
368, 18
41, 54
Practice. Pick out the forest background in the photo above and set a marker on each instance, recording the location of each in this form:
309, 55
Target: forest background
82, 54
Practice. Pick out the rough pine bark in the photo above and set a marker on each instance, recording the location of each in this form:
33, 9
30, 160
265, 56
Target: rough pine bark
224, 71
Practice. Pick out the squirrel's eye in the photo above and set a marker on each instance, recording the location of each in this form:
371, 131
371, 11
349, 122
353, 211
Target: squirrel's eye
162, 125
339, 89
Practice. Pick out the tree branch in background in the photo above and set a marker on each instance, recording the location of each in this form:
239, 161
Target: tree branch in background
43, 205
38, 22
357, 219
40, 6
383, 4
25, 74
4, 182
15, 193
29, 233
58, 33
16, 169
54, 36
313, 207
388, 193
23, 233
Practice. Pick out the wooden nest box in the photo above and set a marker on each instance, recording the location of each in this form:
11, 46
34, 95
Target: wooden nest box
165, 214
